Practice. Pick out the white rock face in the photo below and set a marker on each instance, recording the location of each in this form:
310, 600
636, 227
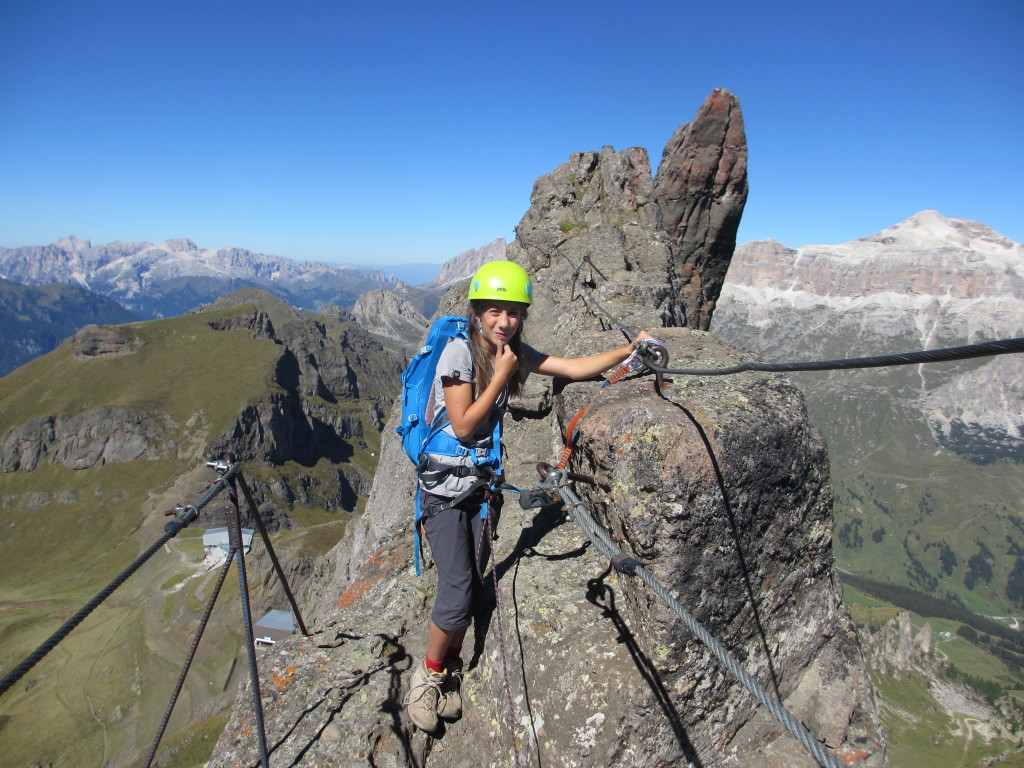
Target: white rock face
462, 266
925, 283
387, 314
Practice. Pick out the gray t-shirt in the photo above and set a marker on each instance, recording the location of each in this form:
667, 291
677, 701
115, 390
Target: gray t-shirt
456, 362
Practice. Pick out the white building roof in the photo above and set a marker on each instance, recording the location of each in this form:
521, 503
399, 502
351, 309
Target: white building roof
277, 620
218, 537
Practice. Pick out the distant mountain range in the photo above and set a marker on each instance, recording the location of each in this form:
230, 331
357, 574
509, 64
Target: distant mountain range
168, 279
462, 266
48, 292
925, 458
924, 283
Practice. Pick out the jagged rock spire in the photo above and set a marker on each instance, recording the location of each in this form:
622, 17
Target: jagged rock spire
663, 243
702, 188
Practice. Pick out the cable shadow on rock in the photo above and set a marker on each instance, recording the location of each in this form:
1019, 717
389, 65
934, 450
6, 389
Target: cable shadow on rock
598, 589
548, 518
734, 528
392, 704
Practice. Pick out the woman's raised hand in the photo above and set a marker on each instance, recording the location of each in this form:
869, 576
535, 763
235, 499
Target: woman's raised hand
505, 362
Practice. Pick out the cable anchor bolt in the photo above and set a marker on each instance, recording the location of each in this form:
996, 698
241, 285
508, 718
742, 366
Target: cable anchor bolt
183, 515
652, 352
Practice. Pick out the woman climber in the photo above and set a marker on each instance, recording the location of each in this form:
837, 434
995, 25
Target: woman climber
459, 482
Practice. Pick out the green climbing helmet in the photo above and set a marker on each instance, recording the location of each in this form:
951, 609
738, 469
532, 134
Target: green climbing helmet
501, 280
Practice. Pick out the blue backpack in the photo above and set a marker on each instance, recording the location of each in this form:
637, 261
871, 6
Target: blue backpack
421, 437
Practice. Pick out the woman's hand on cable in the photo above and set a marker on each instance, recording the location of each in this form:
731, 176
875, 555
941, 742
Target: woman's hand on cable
641, 337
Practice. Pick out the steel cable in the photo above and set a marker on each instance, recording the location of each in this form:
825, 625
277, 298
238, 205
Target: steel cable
629, 332
188, 661
948, 354
234, 522
173, 528
52, 641
554, 482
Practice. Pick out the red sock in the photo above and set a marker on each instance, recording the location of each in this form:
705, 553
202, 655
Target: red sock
433, 666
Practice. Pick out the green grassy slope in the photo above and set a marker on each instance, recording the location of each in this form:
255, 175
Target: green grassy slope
910, 512
922, 729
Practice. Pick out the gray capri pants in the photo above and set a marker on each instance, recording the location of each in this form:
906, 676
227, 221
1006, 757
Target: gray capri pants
454, 536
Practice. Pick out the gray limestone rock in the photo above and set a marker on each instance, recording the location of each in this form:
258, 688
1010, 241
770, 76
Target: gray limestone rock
107, 435
721, 491
104, 341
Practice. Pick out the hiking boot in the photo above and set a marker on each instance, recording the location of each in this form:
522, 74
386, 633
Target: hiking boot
424, 695
449, 707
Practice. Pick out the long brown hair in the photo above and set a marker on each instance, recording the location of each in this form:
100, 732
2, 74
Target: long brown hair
483, 360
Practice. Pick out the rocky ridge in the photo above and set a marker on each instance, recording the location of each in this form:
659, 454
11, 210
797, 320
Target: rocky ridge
388, 314
107, 435
400, 313
331, 390
720, 489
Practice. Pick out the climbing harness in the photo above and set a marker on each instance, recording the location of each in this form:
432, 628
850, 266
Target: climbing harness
422, 438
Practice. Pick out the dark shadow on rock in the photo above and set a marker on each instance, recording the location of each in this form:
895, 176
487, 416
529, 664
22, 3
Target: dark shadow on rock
394, 704
546, 520
597, 590
522, 658
345, 691
734, 528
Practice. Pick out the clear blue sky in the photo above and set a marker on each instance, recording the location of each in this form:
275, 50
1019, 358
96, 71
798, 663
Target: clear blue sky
404, 132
